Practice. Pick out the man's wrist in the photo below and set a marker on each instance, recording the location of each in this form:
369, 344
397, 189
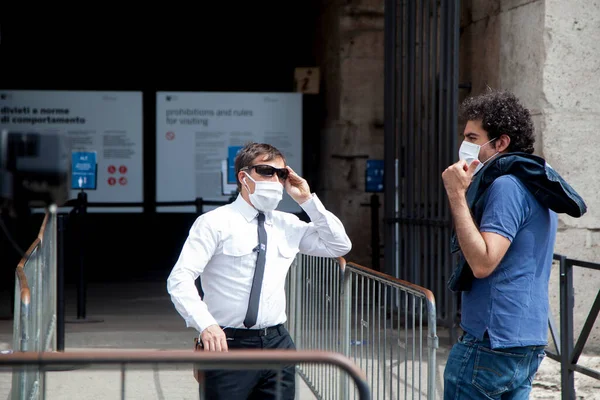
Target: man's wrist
455, 196
304, 199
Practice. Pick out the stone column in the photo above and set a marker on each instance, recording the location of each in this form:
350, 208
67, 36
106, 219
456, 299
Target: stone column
352, 59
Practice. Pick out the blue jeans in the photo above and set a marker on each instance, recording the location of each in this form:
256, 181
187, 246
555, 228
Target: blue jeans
475, 371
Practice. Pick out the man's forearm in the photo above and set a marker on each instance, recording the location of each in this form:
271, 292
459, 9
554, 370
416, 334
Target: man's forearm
471, 242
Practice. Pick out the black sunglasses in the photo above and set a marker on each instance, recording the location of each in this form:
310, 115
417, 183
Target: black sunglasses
269, 171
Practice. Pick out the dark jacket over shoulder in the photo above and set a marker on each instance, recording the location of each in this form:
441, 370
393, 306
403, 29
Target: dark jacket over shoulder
546, 185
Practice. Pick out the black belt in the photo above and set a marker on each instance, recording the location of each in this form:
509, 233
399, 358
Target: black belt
243, 332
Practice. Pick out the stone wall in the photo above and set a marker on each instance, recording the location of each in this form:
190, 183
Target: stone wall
352, 58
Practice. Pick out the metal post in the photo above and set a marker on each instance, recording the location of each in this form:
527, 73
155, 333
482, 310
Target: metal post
81, 287
390, 136
297, 279
345, 327
199, 205
566, 329
60, 286
375, 232
82, 204
432, 345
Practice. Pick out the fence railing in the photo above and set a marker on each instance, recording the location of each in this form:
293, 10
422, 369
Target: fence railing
567, 351
383, 324
185, 360
34, 326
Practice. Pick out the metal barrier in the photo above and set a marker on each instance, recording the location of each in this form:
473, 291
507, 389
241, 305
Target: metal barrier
238, 359
34, 323
378, 321
567, 354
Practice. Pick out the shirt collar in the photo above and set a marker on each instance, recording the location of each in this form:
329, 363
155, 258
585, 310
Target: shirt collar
249, 212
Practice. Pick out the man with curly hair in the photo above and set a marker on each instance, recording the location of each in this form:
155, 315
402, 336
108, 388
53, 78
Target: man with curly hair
504, 203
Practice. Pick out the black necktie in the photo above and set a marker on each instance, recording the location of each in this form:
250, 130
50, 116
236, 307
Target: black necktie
252, 312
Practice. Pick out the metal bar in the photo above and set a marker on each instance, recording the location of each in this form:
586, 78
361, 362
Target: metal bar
406, 344
123, 381
398, 347
566, 329
206, 360
410, 134
403, 151
584, 264
385, 342
452, 129
586, 371
432, 345
345, 324
421, 159
585, 331
389, 148
370, 328
60, 290
420, 344
413, 328
426, 166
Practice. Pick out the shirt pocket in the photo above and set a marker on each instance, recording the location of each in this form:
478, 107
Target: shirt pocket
286, 251
240, 253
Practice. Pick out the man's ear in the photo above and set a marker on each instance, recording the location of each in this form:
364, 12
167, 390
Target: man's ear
502, 143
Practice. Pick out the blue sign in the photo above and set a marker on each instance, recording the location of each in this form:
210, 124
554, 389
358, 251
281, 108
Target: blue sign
83, 170
374, 176
231, 153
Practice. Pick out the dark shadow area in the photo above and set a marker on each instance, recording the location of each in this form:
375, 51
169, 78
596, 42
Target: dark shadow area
252, 47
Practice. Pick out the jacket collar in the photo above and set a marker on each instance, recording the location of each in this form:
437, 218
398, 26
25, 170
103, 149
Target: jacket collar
546, 185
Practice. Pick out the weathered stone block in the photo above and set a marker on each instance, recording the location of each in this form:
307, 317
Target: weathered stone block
363, 44
361, 90
572, 47
482, 9
364, 6
507, 5
479, 54
522, 52
356, 220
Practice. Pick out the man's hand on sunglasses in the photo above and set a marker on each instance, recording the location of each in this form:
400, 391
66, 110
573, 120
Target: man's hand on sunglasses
297, 187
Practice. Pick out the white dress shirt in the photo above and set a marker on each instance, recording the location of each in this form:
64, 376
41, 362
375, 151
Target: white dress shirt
219, 248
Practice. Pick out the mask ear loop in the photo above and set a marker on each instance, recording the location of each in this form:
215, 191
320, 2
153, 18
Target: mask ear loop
245, 183
493, 155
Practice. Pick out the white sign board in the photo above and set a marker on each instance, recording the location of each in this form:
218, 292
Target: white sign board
196, 130
108, 123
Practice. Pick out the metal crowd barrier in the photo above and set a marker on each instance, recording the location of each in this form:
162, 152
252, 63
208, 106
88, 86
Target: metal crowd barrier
567, 353
62, 364
386, 325
34, 326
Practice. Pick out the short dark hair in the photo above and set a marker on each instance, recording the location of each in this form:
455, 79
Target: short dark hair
500, 112
248, 153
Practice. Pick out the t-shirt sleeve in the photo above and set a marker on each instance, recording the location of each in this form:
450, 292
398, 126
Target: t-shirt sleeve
506, 207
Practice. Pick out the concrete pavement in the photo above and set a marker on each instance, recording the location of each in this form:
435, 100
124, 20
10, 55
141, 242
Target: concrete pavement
140, 315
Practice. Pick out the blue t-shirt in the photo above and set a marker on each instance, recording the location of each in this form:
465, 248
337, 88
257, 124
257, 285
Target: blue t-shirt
512, 303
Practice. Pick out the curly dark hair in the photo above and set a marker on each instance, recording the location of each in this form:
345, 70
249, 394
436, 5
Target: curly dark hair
500, 112
245, 157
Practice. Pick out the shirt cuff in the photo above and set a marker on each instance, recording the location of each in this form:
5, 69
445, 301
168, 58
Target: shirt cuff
313, 207
203, 322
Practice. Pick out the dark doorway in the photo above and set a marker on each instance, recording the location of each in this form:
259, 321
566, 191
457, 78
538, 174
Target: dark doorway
216, 46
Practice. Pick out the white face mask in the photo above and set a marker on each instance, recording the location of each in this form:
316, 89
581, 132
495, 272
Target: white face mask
470, 152
267, 194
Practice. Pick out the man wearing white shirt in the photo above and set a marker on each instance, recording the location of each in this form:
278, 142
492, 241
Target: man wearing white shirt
243, 251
